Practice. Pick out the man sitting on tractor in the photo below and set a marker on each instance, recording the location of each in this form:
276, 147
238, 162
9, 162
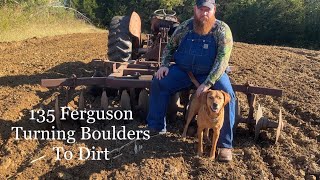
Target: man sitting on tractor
201, 45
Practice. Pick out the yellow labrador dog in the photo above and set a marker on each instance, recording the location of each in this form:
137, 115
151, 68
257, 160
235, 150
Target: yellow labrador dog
210, 110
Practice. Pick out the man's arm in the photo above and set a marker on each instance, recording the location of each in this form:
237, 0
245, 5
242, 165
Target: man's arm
173, 43
225, 43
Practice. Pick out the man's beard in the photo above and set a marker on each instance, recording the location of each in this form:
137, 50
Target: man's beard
203, 27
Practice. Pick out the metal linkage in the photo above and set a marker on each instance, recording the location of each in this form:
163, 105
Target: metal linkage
258, 122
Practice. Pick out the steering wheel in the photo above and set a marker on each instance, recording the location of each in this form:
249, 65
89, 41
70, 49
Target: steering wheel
164, 12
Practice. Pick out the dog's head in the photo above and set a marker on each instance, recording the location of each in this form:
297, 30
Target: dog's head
216, 100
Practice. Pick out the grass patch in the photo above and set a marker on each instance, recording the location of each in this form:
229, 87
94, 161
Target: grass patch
23, 21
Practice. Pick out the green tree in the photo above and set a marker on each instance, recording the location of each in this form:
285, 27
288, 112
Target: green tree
312, 23
266, 21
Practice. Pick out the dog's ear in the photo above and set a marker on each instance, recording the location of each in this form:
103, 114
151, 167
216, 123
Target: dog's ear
226, 98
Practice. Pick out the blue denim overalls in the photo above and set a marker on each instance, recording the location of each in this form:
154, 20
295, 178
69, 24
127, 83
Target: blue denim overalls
196, 53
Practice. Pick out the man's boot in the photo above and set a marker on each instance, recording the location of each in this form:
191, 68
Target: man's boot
225, 155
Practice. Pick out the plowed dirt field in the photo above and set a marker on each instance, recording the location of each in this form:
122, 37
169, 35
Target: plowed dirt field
296, 71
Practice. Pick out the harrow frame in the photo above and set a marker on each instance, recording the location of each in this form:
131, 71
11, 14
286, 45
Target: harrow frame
139, 74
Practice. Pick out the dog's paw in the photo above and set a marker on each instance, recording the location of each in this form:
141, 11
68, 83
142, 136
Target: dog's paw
184, 137
212, 158
199, 154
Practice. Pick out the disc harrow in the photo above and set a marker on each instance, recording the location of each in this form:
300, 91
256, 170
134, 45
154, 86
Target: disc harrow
258, 122
128, 77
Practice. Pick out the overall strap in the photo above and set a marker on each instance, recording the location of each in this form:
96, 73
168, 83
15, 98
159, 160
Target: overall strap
190, 74
193, 79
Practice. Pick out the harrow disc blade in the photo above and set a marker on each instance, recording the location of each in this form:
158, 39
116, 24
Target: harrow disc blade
259, 122
81, 101
125, 100
280, 126
57, 113
143, 104
104, 100
259, 114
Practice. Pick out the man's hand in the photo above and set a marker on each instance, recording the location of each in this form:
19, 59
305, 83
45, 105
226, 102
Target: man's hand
202, 88
162, 72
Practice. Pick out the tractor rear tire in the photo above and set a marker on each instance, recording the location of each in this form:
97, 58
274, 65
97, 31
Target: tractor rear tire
119, 39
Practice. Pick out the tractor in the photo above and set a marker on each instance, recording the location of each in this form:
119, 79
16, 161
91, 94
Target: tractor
127, 72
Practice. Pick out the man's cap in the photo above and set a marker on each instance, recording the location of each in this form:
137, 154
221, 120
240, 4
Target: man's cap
207, 3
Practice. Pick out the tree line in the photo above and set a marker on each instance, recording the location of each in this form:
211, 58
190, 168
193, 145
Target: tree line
277, 22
